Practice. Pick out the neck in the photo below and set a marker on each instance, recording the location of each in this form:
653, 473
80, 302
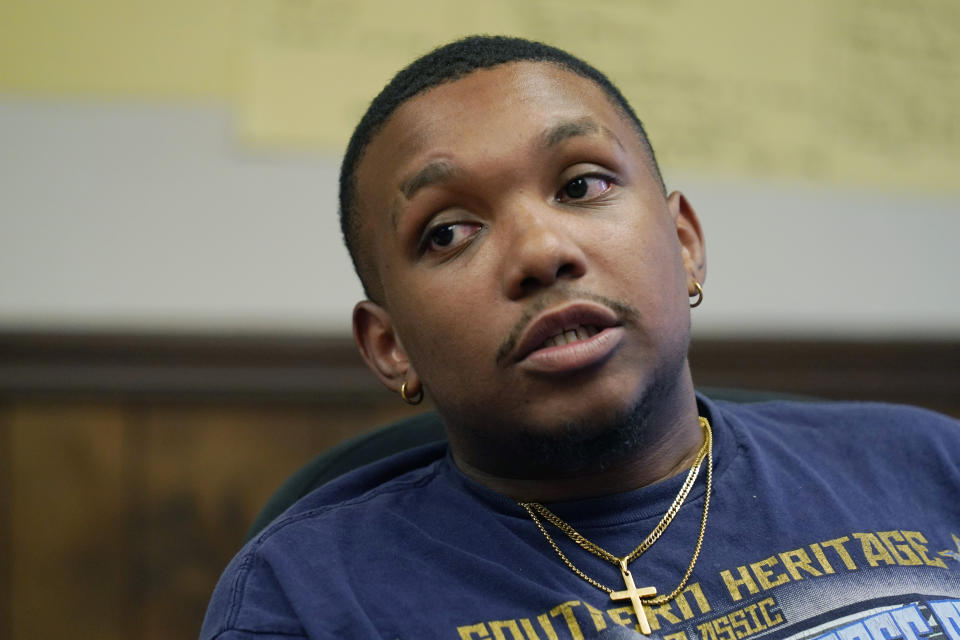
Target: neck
668, 446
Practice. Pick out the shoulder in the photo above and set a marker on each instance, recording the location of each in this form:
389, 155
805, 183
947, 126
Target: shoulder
868, 440
842, 418
260, 590
395, 479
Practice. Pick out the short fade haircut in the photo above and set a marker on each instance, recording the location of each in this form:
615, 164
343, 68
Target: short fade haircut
448, 64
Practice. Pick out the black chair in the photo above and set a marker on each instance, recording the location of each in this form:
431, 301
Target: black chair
406, 434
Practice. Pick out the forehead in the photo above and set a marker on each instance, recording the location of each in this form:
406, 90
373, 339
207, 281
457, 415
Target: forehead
467, 119
519, 93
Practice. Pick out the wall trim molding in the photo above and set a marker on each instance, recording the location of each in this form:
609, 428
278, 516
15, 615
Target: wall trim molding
299, 368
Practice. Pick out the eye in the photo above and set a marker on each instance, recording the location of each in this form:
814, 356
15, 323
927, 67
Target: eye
584, 188
447, 236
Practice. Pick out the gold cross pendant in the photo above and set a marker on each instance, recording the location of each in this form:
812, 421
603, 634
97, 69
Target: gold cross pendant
633, 594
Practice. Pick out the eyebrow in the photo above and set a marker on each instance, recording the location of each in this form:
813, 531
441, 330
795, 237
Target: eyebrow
434, 172
585, 126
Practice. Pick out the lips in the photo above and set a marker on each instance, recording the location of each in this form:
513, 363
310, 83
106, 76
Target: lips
574, 332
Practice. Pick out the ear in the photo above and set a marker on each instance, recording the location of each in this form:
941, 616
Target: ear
381, 348
692, 248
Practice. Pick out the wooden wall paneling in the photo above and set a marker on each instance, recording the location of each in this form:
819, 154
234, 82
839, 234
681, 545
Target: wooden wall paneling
6, 547
131, 466
207, 471
304, 368
925, 374
66, 521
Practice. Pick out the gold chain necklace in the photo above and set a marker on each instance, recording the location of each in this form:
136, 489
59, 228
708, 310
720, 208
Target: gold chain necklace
631, 591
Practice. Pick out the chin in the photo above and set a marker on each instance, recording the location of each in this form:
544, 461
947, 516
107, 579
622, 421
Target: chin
571, 446
579, 425
594, 402
560, 440
558, 419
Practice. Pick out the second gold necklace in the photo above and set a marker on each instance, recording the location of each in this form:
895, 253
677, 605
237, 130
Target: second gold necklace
637, 596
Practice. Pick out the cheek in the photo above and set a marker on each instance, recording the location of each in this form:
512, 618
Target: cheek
650, 250
451, 312
447, 333
655, 277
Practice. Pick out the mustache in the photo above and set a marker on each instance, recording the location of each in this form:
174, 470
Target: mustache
627, 314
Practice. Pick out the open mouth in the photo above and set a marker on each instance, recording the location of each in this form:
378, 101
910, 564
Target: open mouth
569, 335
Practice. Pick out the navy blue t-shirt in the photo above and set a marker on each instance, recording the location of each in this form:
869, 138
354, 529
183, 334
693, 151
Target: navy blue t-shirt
831, 521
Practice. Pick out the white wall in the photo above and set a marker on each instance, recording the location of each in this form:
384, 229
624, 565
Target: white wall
147, 217
137, 217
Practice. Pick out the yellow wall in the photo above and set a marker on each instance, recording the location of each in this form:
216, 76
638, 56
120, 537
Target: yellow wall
861, 93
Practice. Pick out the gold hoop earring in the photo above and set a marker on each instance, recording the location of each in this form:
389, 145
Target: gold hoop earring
699, 299
410, 400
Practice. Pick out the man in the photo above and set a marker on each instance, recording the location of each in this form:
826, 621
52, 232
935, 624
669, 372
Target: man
525, 267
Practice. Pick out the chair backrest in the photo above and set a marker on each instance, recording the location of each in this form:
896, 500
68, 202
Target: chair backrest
406, 434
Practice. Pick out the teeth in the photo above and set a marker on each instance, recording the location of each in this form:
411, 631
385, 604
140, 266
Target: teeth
573, 334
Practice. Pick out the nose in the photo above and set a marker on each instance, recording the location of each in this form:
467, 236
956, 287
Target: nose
541, 251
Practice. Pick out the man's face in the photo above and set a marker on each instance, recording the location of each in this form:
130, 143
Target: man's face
532, 272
